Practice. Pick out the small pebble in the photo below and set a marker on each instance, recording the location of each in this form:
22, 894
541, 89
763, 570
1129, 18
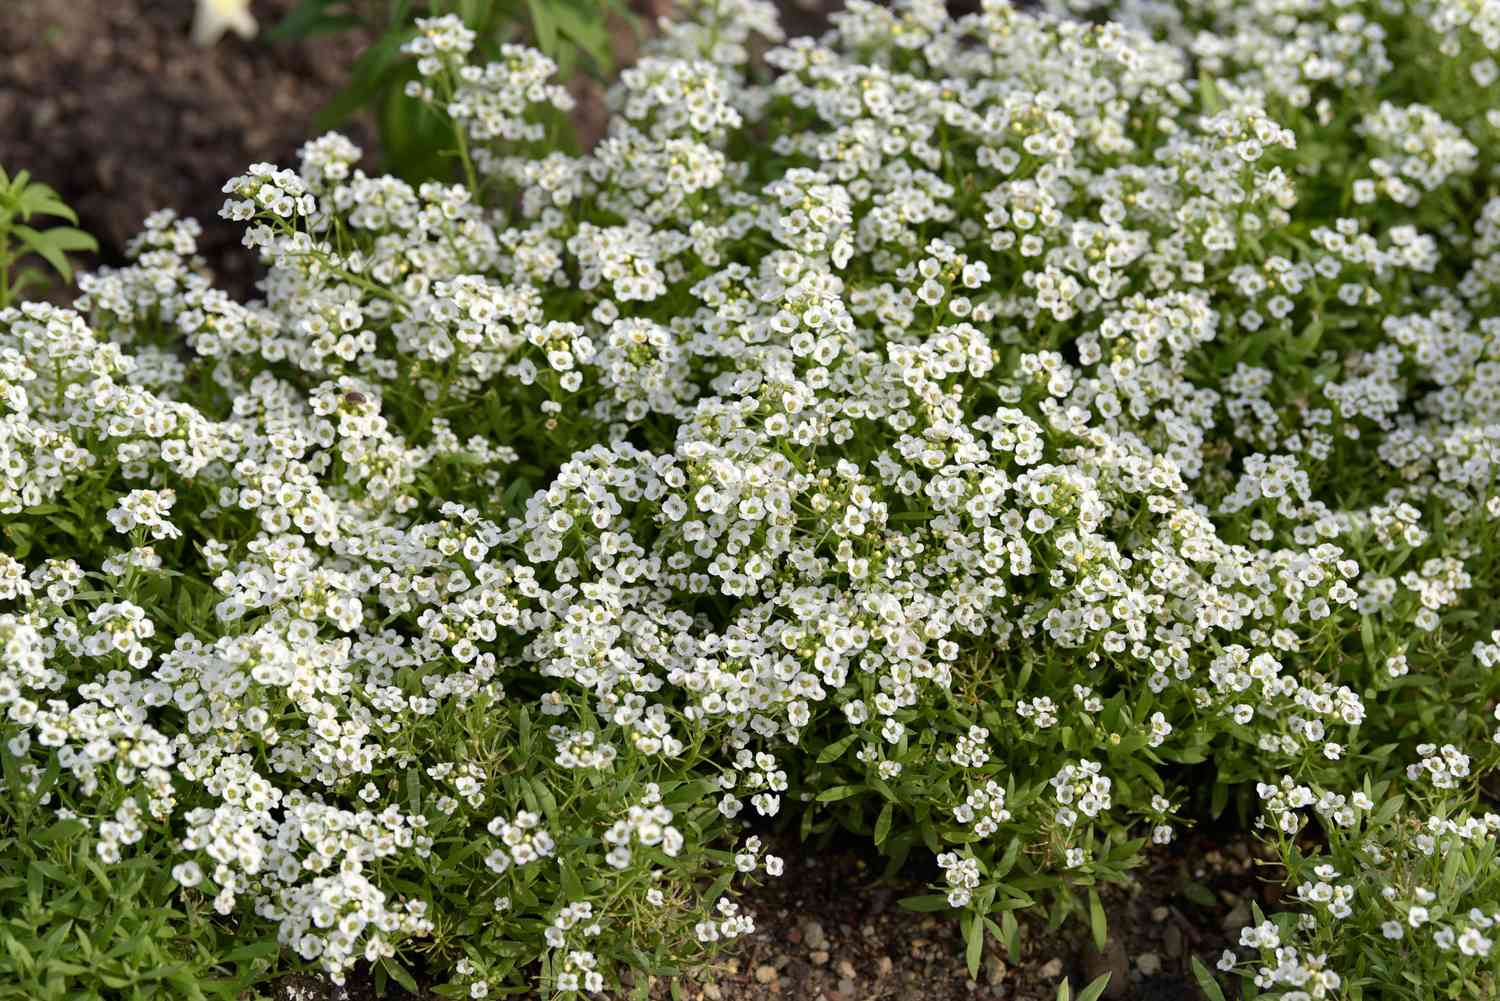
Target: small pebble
846, 987
995, 970
819, 957
1159, 914
1172, 942
846, 968
1052, 968
766, 973
712, 992
883, 966
814, 936
1149, 963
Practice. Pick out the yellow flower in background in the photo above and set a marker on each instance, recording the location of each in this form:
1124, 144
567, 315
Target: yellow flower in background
218, 16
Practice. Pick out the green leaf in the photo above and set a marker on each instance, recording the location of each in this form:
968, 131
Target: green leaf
587, 30
59, 831
367, 77
883, 823
572, 886
1097, 922
414, 790
1011, 935
311, 18
1209, 92
835, 750
836, 793
523, 730
1096, 989
1206, 982
925, 904
543, 25
1220, 799
263, 949
72, 240
52, 245
399, 974
40, 199
1007, 862
1199, 894
22, 956
974, 948
417, 140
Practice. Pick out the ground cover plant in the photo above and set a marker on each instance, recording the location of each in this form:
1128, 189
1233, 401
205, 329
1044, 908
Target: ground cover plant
1010, 437
412, 137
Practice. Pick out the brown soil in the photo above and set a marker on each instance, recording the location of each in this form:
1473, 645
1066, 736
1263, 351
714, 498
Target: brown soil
111, 103
830, 930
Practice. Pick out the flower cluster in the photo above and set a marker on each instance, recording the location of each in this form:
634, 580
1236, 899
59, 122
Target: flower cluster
953, 428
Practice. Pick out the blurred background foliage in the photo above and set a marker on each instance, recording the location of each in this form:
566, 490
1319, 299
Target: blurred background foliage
413, 141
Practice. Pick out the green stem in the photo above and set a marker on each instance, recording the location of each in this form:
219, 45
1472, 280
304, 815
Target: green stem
5, 262
470, 177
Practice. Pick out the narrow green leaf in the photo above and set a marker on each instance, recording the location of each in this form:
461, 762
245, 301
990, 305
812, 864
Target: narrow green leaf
543, 25
1011, 935
1206, 982
587, 30
572, 886
836, 793
59, 831
72, 240
974, 949
399, 974
1096, 989
367, 77
39, 244
835, 750
1199, 894
1098, 924
924, 904
262, 949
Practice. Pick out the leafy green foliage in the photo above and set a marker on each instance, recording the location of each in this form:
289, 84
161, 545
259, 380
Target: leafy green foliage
415, 141
73, 928
1001, 438
22, 200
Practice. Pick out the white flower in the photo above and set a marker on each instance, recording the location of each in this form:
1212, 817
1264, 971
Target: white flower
214, 17
1472, 943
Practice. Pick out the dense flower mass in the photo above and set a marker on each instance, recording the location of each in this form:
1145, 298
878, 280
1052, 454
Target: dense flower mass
1011, 436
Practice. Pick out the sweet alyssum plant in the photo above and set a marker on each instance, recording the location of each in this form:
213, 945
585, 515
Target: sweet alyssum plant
1011, 436
23, 204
